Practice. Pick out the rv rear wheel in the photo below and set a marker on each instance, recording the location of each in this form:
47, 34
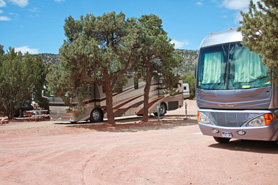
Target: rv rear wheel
221, 139
162, 110
96, 115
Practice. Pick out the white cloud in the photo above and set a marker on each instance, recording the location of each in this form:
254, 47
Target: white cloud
25, 49
4, 18
33, 10
200, 3
179, 44
59, 1
1, 11
21, 3
237, 4
2, 3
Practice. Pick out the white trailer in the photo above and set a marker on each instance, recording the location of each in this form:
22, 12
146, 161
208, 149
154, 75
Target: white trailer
126, 103
186, 92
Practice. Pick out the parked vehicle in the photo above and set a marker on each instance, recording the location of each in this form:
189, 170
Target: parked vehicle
233, 92
21, 108
125, 103
186, 92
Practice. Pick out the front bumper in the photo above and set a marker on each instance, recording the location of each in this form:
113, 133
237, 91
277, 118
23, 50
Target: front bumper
264, 133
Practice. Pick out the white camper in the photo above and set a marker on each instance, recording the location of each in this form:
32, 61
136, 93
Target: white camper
186, 92
125, 103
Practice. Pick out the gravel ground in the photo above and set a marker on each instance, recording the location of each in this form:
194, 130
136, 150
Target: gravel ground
169, 152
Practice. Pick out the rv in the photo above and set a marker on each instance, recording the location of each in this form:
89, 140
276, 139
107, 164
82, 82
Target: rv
125, 103
233, 90
186, 93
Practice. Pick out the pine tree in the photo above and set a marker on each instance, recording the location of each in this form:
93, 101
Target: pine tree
11, 83
97, 50
260, 32
157, 55
20, 79
39, 73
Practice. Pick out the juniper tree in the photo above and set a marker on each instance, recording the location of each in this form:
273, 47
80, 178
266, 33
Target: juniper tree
20, 78
97, 50
260, 32
157, 55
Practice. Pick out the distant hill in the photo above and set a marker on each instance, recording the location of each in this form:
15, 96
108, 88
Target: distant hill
50, 58
190, 58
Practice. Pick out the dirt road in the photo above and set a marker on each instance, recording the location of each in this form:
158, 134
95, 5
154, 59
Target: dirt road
170, 152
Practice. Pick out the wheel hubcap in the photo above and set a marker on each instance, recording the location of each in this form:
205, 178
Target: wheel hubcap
95, 115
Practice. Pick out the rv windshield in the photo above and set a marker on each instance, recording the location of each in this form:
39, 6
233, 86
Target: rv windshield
230, 66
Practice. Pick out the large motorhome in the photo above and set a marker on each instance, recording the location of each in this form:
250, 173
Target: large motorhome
234, 94
125, 103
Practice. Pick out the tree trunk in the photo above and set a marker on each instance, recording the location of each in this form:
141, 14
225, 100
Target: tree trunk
109, 100
109, 106
146, 94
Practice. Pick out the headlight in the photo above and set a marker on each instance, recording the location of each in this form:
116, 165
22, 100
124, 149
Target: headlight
203, 119
263, 120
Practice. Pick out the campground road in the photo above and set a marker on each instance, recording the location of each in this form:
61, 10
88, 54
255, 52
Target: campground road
173, 152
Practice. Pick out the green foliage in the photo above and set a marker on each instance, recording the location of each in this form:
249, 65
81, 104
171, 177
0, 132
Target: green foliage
2, 50
260, 31
157, 56
188, 78
39, 81
19, 80
10, 83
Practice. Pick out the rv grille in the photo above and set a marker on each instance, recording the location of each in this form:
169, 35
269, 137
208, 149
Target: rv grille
229, 119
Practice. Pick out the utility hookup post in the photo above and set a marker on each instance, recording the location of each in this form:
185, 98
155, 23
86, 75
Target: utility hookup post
185, 107
158, 111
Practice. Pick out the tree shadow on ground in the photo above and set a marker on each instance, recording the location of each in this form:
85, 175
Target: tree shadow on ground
135, 125
268, 147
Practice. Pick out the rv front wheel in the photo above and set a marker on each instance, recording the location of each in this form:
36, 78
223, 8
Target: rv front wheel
96, 116
221, 139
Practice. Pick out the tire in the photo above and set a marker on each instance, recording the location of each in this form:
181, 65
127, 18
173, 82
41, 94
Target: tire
162, 110
96, 115
221, 139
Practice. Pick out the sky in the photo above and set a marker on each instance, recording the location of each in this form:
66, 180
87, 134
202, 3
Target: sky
36, 26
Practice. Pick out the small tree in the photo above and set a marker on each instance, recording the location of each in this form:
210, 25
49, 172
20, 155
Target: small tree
260, 31
11, 83
97, 50
18, 80
39, 71
156, 55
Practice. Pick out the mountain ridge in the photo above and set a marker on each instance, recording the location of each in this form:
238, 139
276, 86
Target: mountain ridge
190, 58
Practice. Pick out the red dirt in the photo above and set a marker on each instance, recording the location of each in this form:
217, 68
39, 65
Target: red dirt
169, 152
